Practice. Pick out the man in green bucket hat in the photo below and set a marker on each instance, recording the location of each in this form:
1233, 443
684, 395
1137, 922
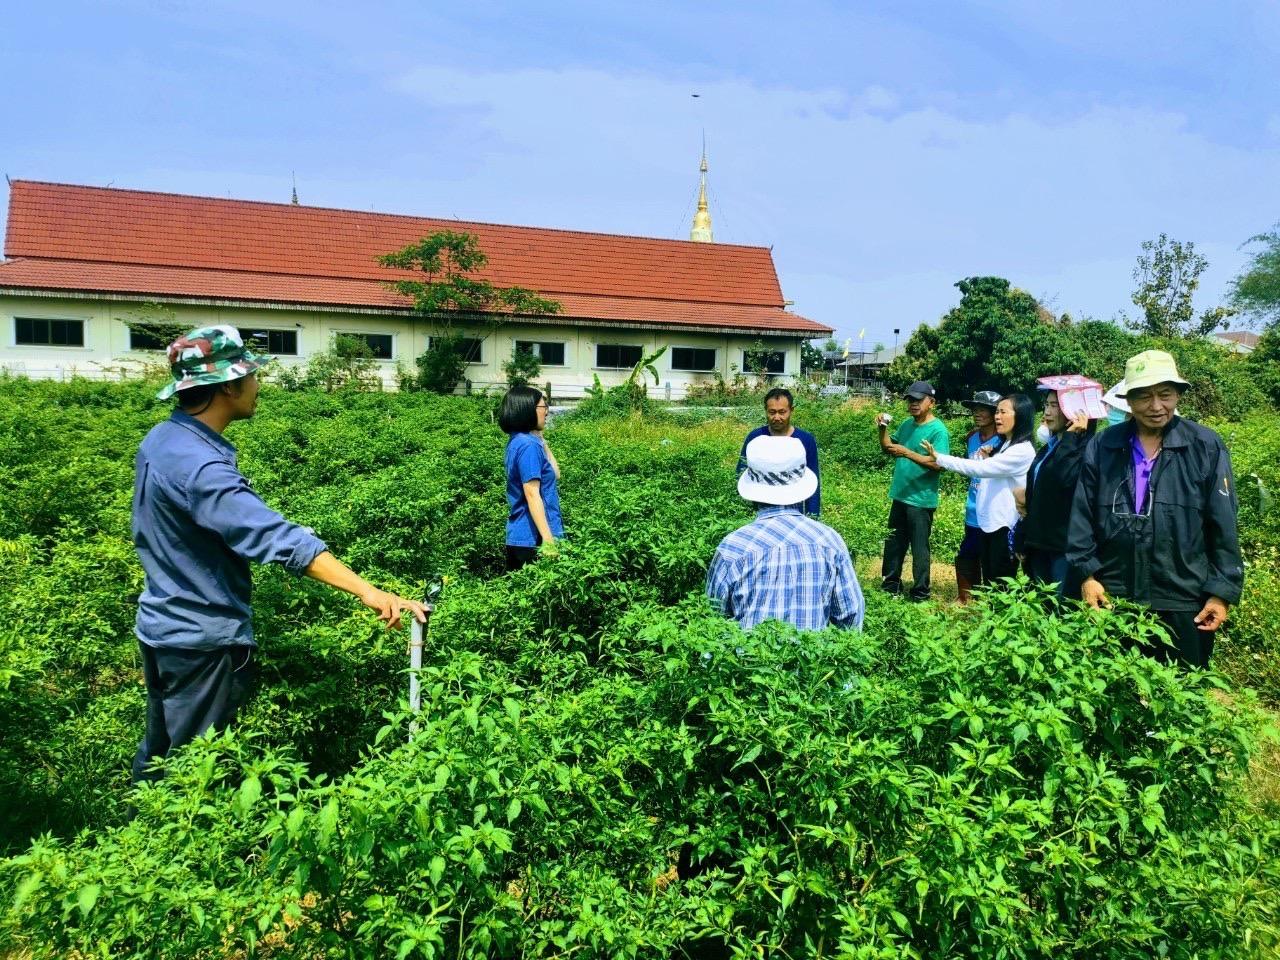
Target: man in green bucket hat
197, 525
1154, 514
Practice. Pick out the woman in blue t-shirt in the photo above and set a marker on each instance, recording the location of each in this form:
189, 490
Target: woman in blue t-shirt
533, 497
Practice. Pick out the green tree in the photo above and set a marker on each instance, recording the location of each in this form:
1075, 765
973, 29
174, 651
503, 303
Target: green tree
522, 369
1167, 274
442, 366
348, 364
1256, 291
448, 262
155, 324
450, 292
996, 338
811, 356
1263, 365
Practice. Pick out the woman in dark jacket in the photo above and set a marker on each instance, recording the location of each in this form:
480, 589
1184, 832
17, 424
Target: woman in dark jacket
1051, 484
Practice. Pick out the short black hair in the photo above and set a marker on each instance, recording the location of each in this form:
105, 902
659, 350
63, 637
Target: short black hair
202, 394
519, 412
197, 397
778, 393
1024, 418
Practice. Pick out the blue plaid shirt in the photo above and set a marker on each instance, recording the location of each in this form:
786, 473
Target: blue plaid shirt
786, 566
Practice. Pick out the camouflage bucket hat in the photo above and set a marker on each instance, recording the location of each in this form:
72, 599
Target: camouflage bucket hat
209, 355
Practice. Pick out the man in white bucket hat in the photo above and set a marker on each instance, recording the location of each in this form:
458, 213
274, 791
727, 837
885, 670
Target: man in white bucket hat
783, 565
1154, 514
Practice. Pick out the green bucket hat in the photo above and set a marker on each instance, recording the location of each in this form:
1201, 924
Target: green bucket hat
209, 355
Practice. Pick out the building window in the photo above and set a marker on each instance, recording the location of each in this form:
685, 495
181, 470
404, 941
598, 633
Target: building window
551, 354
617, 356
469, 347
48, 333
764, 361
277, 343
144, 340
693, 359
382, 345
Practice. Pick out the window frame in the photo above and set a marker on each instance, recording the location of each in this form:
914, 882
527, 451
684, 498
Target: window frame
248, 333
767, 373
395, 346
136, 349
84, 332
715, 363
562, 344
633, 346
478, 341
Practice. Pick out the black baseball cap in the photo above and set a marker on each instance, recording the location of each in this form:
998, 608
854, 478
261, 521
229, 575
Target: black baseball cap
920, 389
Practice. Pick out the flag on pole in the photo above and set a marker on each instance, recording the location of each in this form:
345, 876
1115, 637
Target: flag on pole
846, 348
862, 334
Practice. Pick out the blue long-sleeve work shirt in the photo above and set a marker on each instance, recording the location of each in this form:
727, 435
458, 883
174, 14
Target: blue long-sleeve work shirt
196, 526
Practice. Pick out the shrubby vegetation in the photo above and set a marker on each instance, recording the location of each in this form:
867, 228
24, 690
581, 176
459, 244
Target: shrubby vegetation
1002, 338
347, 364
602, 765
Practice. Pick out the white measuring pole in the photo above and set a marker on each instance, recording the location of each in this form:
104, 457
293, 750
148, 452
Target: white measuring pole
415, 664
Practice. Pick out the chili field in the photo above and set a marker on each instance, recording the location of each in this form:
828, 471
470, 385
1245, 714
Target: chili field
603, 766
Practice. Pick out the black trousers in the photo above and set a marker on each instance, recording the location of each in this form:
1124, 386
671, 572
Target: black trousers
996, 553
517, 557
1192, 646
189, 692
1045, 567
909, 527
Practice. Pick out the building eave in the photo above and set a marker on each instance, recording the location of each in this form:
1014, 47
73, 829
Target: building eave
403, 313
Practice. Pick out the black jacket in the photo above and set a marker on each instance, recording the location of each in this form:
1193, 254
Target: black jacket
1049, 494
1181, 546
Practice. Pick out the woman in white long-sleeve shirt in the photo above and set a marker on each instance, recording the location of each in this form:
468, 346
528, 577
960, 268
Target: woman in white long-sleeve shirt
999, 475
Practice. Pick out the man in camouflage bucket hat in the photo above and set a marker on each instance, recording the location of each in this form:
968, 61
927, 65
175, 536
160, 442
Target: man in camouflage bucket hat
209, 355
197, 524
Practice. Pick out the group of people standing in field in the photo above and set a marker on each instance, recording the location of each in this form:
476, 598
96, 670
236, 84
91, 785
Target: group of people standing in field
1145, 509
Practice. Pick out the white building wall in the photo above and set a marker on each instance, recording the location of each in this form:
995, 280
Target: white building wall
106, 353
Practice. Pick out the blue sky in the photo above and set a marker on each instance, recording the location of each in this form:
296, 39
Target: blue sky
885, 150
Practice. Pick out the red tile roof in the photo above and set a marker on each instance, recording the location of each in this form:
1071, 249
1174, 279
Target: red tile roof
93, 239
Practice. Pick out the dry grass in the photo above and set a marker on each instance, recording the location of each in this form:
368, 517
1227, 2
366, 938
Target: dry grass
1264, 771
942, 577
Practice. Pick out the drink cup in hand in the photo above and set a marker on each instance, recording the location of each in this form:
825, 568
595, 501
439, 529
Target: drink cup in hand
883, 419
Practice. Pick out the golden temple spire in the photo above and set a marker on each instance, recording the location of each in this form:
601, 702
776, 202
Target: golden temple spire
700, 232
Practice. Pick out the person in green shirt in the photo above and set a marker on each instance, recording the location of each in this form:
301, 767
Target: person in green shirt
914, 490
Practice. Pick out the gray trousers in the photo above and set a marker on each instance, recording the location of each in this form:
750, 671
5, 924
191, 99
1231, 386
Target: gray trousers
189, 692
909, 528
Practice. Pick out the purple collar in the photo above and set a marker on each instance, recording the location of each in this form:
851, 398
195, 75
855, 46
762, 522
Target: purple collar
1142, 469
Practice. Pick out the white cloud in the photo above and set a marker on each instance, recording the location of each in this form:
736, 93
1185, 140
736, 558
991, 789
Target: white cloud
874, 211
